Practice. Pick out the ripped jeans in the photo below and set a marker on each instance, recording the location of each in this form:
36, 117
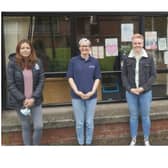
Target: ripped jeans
26, 121
84, 111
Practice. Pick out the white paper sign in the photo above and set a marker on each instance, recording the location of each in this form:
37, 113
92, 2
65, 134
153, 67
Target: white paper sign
127, 32
166, 57
162, 44
111, 47
151, 40
98, 51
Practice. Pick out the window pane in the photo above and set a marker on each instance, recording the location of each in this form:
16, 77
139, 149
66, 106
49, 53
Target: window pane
15, 29
158, 24
51, 41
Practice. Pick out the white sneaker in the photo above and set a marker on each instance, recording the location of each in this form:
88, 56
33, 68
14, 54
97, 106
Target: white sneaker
146, 142
133, 142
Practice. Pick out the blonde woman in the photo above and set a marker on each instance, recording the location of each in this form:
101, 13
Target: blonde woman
138, 74
84, 77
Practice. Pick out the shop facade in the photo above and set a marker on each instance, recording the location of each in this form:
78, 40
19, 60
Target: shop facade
55, 37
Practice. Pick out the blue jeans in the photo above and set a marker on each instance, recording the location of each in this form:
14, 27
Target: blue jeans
139, 104
84, 111
36, 115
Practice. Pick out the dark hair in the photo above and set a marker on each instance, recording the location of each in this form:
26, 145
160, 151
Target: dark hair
32, 58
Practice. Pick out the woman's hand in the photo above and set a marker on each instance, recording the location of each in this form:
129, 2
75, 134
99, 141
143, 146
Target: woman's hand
81, 94
137, 91
140, 89
89, 94
134, 91
28, 102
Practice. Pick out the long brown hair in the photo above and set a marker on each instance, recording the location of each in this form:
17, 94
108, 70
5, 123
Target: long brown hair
20, 59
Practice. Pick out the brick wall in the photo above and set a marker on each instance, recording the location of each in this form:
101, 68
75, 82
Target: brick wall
105, 134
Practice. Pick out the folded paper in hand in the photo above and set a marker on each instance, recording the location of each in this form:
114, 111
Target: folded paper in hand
25, 111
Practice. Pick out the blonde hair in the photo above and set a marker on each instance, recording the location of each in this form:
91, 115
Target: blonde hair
84, 40
137, 35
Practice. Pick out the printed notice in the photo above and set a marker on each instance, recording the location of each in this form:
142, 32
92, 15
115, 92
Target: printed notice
126, 32
162, 44
166, 57
151, 40
98, 52
111, 47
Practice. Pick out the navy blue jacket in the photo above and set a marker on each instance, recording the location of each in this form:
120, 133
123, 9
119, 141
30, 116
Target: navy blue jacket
15, 83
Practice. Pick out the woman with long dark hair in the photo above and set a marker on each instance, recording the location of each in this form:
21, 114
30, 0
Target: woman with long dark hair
25, 83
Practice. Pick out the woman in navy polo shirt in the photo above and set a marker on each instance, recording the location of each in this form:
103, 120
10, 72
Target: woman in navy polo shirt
84, 77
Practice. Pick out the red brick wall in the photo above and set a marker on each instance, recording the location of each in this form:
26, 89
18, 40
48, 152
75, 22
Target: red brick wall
106, 134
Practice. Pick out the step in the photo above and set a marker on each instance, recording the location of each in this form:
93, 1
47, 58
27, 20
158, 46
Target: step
60, 117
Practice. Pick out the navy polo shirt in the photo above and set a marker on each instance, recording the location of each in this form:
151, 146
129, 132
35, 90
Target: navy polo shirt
84, 73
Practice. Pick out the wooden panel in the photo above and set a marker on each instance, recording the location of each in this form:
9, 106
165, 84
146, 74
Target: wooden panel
57, 90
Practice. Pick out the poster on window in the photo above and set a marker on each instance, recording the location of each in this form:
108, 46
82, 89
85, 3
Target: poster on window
101, 52
166, 57
98, 52
111, 46
162, 44
151, 40
127, 30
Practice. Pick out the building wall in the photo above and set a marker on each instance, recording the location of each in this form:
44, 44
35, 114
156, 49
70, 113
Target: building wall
111, 125
105, 134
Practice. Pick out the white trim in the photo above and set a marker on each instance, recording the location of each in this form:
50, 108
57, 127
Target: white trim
144, 53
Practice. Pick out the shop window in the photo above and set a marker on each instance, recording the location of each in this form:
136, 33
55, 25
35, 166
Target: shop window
159, 25
50, 36
55, 38
53, 32
15, 29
